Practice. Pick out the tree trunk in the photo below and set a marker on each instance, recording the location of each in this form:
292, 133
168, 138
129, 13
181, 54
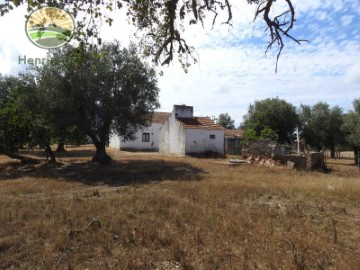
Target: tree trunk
100, 143
24, 160
101, 156
61, 147
50, 153
332, 152
356, 155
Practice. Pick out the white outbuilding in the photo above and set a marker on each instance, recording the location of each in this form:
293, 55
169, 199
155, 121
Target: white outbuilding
184, 134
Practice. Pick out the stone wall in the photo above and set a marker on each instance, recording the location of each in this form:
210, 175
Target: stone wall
265, 148
293, 161
316, 162
269, 149
309, 162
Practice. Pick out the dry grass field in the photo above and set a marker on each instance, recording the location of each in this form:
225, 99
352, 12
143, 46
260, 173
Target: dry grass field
148, 211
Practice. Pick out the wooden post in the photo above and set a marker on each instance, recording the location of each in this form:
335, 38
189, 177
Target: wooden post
298, 141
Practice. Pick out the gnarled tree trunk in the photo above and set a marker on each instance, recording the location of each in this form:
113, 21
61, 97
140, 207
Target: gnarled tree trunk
100, 155
61, 147
50, 153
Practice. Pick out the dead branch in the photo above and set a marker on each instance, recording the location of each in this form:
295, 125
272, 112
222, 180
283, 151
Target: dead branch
279, 26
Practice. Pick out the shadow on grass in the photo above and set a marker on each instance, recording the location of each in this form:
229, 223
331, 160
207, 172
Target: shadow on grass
118, 173
73, 153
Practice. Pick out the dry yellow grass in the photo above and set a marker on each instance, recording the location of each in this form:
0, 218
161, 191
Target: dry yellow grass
148, 211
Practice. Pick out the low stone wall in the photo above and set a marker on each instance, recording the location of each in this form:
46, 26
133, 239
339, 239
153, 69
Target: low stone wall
293, 161
316, 161
310, 162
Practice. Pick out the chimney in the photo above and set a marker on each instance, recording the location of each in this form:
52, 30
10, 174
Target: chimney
183, 111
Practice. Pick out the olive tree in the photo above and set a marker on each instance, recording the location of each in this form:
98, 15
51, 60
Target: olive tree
351, 128
321, 126
99, 90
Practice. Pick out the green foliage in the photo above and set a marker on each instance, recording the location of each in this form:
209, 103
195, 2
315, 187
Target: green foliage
80, 91
225, 121
321, 125
96, 89
26, 114
272, 117
351, 125
22, 120
42, 130
268, 133
250, 135
16, 121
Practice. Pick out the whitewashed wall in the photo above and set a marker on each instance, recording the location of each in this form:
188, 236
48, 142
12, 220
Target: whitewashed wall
114, 141
198, 141
172, 137
138, 144
176, 140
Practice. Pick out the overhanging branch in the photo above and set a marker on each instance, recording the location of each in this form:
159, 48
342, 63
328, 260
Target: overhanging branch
279, 26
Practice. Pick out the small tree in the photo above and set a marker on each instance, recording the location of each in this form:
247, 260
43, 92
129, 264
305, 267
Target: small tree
225, 121
99, 90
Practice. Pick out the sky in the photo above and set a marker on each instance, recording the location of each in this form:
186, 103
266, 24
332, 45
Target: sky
233, 70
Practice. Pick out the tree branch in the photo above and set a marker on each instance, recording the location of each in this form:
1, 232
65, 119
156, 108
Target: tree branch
277, 30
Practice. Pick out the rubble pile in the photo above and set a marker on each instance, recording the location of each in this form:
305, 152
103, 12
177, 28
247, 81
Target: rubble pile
269, 153
261, 161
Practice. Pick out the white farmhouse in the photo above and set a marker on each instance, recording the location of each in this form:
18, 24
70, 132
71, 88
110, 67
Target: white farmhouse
184, 134
146, 139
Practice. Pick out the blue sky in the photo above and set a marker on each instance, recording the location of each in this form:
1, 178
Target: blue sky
233, 70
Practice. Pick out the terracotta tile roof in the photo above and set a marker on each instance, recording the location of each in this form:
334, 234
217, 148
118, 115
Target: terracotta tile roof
234, 133
199, 123
160, 117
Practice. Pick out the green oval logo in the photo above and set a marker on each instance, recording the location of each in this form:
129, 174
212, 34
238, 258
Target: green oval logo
49, 27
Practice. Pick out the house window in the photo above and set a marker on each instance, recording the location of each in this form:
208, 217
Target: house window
212, 137
146, 137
